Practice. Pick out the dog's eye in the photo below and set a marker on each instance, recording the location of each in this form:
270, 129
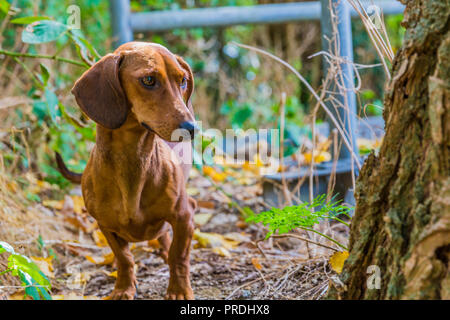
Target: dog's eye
148, 81
183, 83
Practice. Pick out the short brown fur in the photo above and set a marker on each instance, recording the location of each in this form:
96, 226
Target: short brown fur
132, 185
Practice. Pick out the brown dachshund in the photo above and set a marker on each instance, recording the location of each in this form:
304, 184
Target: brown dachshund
132, 185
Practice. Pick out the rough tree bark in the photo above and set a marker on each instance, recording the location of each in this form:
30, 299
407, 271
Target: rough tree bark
402, 219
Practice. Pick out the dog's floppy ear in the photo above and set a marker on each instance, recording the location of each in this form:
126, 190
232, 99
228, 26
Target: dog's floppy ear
190, 82
100, 95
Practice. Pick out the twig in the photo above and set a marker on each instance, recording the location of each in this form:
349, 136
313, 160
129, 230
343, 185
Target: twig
325, 236
286, 192
288, 235
249, 283
42, 56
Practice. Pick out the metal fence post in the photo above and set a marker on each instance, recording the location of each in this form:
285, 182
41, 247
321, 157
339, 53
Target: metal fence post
344, 39
120, 21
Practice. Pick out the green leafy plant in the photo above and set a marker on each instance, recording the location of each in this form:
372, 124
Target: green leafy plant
303, 216
68, 137
36, 284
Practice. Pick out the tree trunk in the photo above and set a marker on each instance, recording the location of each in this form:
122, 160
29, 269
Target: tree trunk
401, 227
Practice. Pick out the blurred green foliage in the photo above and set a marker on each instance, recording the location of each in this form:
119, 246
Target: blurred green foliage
240, 90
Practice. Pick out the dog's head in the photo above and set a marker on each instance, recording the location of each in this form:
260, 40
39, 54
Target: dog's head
145, 79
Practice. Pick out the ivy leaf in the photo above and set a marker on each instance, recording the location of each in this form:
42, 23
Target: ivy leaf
30, 288
86, 49
4, 246
43, 31
21, 263
52, 105
40, 109
45, 75
28, 20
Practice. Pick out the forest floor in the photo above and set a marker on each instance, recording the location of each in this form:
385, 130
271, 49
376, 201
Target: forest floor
226, 262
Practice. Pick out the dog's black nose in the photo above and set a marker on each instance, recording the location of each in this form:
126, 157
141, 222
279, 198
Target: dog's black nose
190, 126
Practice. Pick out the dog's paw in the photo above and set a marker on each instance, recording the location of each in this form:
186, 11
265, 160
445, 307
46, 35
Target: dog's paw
123, 294
180, 294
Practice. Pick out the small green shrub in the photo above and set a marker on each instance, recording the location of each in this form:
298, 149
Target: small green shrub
303, 216
36, 284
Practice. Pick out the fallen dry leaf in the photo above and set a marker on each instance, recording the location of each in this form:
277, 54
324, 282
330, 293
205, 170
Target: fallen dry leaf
12, 186
206, 204
45, 264
214, 174
221, 251
154, 244
238, 237
337, 261
319, 156
78, 204
19, 295
103, 260
77, 279
113, 274
202, 218
54, 204
72, 210
192, 191
213, 240
99, 238
241, 224
256, 263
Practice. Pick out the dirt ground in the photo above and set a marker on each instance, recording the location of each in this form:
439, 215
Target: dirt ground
226, 262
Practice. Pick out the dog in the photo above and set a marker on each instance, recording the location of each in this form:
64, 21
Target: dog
138, 96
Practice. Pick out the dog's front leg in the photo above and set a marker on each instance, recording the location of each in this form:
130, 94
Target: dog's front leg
125, 287
179, 282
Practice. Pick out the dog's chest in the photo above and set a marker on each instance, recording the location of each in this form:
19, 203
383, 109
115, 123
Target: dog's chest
138, 197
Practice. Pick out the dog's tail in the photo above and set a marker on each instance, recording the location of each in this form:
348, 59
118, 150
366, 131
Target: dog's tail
62, 168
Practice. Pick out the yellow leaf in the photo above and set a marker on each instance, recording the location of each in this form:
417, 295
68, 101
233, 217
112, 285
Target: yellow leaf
154, 243
367, 144
113, 274
12, 186
318, 156
55, 204
213, 240
99, 238
78, 204
337, 261
45, 264
254, 166
19, 295
43, 184
256, 263
221, 251
216, 176
192, 191
202, 218
77, 279
104, 260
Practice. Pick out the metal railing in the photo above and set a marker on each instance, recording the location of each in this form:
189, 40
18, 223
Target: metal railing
124, 23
